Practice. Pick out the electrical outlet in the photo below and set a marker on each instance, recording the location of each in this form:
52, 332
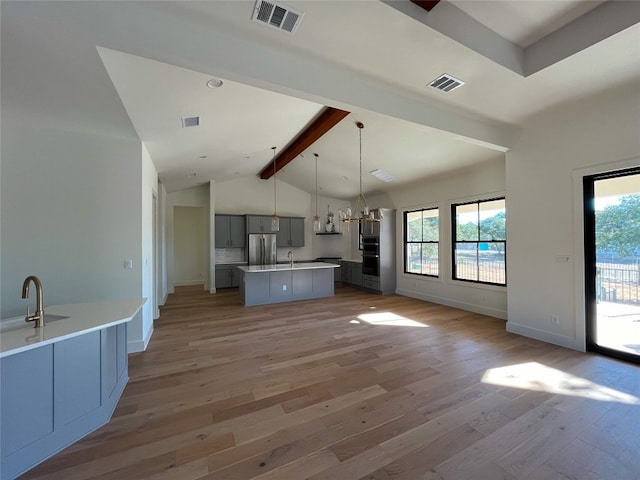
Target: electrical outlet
284, 288
554, 319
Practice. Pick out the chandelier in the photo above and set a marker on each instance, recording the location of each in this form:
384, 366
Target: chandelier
364, 215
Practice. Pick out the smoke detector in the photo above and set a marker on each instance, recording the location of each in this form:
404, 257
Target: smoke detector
277, 15
446, 83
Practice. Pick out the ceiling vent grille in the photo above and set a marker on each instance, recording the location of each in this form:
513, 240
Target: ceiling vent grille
381, 175
277, 15
190, 122
446, 83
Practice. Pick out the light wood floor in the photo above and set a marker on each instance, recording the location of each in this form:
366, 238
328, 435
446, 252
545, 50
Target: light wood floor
311, 390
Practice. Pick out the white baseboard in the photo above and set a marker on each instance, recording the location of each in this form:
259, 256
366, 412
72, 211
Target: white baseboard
470, 307
188, 284
544, 336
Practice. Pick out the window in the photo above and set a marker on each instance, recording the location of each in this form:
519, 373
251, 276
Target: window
422, 235
480, 241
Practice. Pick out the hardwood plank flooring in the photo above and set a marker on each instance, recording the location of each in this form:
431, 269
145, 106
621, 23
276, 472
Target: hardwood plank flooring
358, 386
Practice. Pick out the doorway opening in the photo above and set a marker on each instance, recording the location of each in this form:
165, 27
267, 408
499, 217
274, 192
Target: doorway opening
612, 263
189, 246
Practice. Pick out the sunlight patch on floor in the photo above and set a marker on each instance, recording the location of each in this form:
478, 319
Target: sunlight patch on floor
389, 319
535, 376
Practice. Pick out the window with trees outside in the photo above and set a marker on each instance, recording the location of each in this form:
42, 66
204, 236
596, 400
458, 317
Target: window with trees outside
422, 237
480, 241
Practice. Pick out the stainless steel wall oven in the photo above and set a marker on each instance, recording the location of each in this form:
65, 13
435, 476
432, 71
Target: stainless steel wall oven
371, 256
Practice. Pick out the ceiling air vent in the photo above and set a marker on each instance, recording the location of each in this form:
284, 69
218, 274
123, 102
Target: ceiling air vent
446, 83
190, 122
277, 15
381, 175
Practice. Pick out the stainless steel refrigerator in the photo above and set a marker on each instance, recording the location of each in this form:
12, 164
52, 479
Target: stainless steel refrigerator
262, 248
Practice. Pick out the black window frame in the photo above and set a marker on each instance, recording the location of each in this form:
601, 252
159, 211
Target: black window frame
455, 242
406, 242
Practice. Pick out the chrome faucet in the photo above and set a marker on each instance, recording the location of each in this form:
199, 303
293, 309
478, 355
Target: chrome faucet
38, 316
290, 256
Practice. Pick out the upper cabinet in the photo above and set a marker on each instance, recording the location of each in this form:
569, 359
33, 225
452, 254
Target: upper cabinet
259, 224
291, 233
230, 231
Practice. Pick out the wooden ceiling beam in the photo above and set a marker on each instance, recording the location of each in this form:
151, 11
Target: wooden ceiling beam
426, 4
321, 125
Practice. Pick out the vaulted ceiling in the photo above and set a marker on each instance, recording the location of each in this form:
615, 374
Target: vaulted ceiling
373, 59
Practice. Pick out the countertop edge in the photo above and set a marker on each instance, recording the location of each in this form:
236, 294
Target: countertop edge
279, 267
67, 333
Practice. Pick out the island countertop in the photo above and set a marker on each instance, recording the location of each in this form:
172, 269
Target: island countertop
77, 319
279, 267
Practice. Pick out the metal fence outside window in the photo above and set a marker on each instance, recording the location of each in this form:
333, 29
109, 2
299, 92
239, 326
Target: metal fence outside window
618, 281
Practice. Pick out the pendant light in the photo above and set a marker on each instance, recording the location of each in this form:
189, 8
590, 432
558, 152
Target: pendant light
316, 218
275, 219
364, 215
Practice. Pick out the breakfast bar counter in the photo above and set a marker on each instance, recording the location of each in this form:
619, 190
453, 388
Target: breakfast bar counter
265, 284
60, 381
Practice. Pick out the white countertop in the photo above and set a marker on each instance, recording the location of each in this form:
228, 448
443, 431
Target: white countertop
18, 336
286, 266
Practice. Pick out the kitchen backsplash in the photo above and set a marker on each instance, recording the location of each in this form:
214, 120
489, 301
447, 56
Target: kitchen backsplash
230, 255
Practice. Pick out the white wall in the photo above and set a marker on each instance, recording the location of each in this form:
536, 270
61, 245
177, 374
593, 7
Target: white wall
330, 245
71, 173
140, 334
544, 211
163, 289
484, 181
189, 245
191, 197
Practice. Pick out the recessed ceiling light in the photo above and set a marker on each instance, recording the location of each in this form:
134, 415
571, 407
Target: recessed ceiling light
215, 83
382, 175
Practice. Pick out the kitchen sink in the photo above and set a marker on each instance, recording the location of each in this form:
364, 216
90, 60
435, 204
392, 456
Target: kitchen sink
16, 323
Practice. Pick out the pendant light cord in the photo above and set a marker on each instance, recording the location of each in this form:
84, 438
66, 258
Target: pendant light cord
360, 131
316, 155
275, 208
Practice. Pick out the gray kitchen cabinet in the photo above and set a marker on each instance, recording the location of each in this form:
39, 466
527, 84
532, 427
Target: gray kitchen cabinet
259, 224
356, 274
371, 282
337, 273
27, 404
55, 394
231, 231
345, 274
227, 276
291, 233
351, 273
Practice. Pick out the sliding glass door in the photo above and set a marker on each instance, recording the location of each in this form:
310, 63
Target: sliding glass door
612, 262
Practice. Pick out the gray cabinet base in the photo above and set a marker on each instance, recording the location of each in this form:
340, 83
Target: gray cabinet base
54, 395
261, 288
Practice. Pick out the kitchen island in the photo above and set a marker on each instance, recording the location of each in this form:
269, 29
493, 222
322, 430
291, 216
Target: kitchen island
60, 381
264, 284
